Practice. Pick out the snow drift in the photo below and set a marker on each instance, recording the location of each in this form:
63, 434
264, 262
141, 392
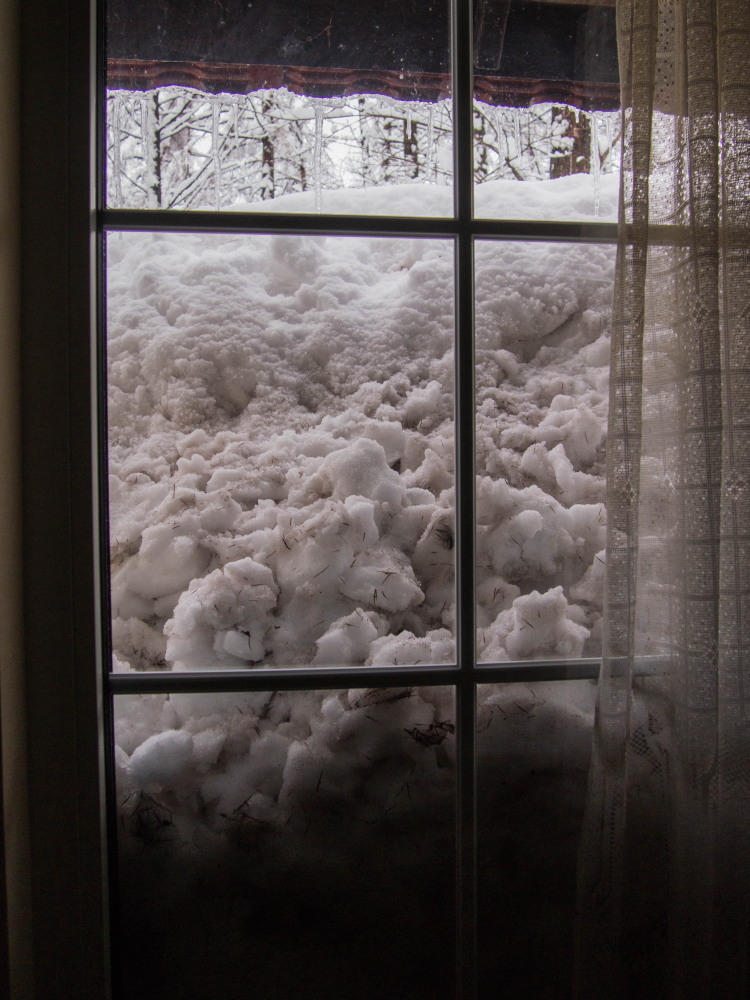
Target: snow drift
282, 492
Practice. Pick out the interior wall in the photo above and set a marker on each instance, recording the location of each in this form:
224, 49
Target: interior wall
15, 948
61, 648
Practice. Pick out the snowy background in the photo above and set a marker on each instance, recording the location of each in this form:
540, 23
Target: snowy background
175, 147
281, 492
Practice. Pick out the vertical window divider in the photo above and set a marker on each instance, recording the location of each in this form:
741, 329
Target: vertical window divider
463, 188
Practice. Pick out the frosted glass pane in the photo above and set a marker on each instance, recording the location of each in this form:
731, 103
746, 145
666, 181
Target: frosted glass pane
281, 451
542, 370
546, 112
533, 752
289, 106
295, 845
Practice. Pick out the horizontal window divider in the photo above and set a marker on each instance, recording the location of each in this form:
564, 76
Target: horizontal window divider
155, 220
332, 678
281, 679
217, 681
544, 231
583, 668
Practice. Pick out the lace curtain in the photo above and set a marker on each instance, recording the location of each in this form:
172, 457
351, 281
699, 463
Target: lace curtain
664, 872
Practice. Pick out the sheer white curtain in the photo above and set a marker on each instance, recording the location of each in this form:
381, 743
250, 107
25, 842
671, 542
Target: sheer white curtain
664, 873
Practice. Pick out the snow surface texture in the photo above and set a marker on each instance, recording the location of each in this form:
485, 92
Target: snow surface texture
281, 449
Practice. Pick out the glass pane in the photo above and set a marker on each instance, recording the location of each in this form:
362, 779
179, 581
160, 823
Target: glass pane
281, 450
295, 845
546, 106
542, 366
285, 106
533, 751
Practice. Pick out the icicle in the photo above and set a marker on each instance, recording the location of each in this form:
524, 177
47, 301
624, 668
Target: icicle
236, 123
236, 131
554, 142
215, 139
318, 157
148, 139
595, 161
502, 144
430, 143
116, 151
610, 140
517, 131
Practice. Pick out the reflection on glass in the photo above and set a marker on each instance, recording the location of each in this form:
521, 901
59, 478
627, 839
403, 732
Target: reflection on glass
281, 451
316, 104
533, 751
546, 110
295, 845
542, 368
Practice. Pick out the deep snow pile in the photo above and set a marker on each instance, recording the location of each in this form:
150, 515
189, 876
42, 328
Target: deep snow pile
302, 845
281, 448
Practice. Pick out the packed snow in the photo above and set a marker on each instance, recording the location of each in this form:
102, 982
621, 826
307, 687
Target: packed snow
302, 844
281, 446
282, 492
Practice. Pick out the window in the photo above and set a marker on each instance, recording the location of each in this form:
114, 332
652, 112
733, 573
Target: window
452, 684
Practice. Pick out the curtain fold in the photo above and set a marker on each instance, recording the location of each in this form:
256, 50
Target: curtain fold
664, 870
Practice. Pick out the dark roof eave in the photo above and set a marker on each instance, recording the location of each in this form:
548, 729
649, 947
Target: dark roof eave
238, 78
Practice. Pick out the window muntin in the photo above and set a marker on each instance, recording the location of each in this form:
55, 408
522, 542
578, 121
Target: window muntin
463, 676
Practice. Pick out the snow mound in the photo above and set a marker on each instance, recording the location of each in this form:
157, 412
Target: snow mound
282, 492
281, 442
